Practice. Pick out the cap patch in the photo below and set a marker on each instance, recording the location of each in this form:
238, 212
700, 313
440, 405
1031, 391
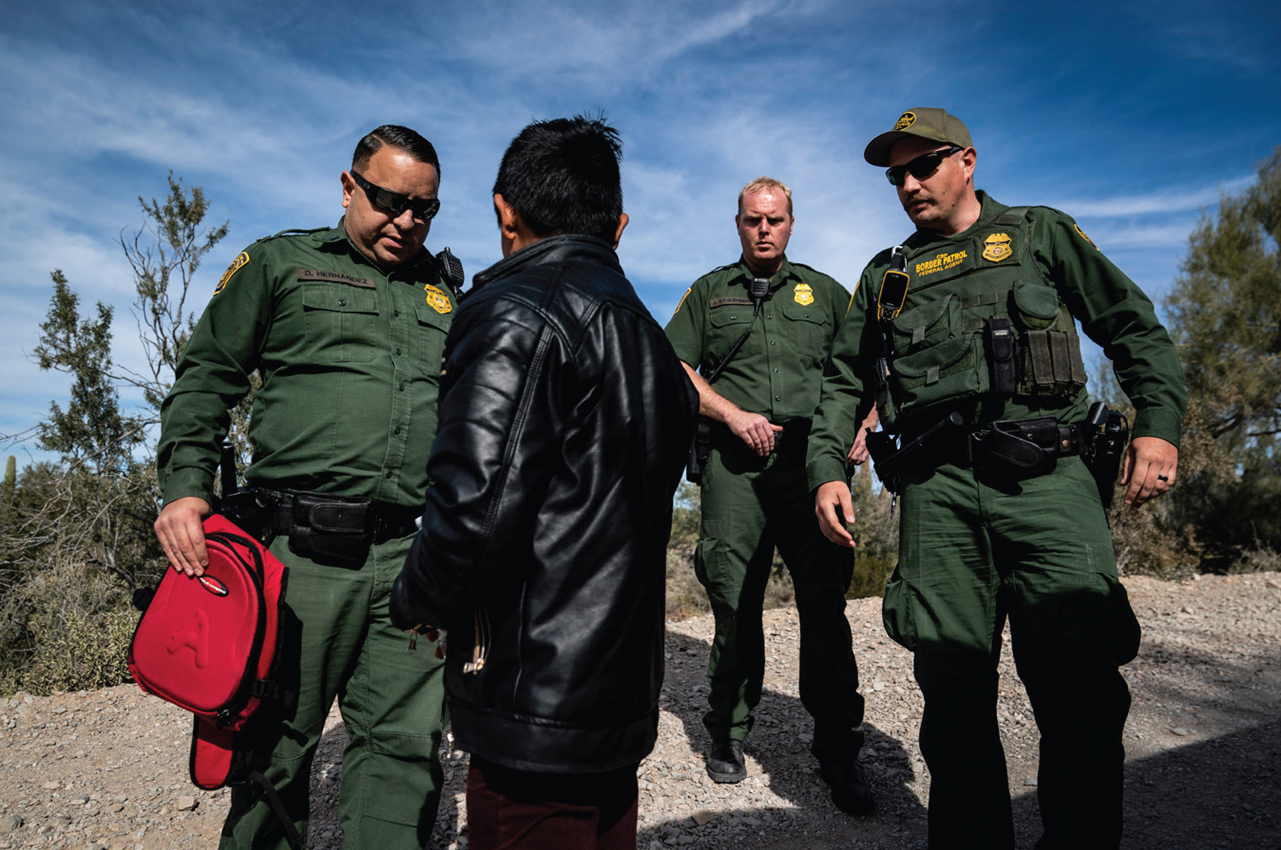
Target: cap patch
907, 119
236, 264
438, 300
804, 294
997, 247
1083, 236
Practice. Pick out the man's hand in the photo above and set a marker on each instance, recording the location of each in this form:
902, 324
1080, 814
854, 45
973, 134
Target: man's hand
755, 430
1150, 467
180, 532
752, 428
835, 510
857, 454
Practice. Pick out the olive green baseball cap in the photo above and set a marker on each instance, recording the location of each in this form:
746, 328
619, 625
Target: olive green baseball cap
925, 122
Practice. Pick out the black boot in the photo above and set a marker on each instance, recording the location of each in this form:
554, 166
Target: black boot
725, 761
851, 792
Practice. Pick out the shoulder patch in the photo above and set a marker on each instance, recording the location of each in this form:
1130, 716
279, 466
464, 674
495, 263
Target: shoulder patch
682, 301
1081, 233
336, 277
242, 259
437, 300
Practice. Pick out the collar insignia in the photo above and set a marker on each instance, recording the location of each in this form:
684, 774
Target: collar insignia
437, 300
997, 247
236, 264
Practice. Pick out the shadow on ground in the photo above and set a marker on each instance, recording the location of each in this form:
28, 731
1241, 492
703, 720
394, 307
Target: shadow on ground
779, 747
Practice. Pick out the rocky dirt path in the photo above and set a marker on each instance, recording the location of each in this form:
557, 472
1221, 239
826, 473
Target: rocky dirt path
107, 769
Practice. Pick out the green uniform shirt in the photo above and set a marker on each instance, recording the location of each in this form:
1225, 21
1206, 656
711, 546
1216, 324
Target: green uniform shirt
779, 369
350, 360
1112, 311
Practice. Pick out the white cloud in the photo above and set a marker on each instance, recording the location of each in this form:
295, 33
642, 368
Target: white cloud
1173, 200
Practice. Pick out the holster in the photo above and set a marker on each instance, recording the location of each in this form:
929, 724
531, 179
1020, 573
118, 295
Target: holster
1027, 446
1109, 430
251, 510
699, 451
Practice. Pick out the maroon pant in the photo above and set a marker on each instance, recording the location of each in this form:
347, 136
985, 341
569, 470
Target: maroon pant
509, 808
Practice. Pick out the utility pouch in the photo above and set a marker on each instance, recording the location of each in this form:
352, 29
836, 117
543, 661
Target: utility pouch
699, 451
1052, 364
1016, 444
1002, 356
331, 530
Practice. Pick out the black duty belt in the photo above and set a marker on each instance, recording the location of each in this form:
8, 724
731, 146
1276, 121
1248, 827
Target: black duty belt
302, 515
1025, 447
381, 521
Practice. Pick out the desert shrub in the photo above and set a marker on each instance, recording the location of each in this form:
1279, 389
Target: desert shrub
78, 624
875, 536
1257, 560
86, 652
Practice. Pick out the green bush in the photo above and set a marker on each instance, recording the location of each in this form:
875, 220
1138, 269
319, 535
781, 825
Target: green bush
86, 652
78, 623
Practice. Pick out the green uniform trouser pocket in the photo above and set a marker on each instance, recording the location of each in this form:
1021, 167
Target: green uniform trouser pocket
896, 611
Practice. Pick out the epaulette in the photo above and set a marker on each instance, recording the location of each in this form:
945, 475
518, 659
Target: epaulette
810, 268
1013, 216
294, 232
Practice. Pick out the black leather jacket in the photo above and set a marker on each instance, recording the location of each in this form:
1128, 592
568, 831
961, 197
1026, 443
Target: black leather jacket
565, 421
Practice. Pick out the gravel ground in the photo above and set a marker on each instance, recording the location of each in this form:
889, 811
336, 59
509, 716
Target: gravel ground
108, 769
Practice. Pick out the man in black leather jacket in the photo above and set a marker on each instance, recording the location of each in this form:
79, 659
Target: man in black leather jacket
565, 420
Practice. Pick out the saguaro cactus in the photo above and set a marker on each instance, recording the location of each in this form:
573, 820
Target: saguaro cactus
10, 482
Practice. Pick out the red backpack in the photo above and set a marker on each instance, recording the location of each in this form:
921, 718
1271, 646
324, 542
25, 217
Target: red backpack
210, 644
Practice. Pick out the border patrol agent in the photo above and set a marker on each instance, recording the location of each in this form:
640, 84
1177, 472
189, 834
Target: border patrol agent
965, 337
768, 344
346, 327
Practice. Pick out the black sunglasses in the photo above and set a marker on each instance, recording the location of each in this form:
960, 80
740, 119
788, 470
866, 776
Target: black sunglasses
921, 167
394, 203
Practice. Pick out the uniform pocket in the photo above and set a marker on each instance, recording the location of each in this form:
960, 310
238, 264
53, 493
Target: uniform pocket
927, 325
813, 329
945, 371
1038, 304
1125, 626
428, 342
896, 611
341, 322
936, 360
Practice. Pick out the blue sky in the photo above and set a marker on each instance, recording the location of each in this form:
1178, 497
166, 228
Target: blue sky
1133, 117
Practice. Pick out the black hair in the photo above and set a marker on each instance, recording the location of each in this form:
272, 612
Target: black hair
561, 176
400, 138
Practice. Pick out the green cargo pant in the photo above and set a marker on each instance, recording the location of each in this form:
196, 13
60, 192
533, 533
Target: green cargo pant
340, 642
749, 506
976, 546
